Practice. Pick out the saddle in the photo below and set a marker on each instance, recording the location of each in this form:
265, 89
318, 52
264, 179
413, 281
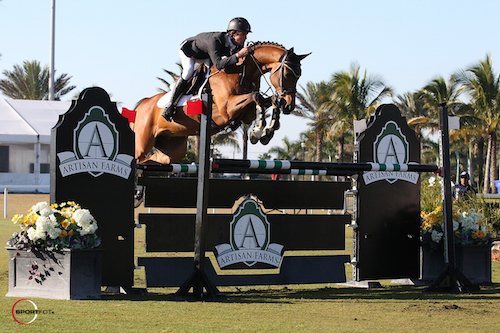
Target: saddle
196, 84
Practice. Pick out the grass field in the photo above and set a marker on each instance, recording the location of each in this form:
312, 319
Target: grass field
304, 308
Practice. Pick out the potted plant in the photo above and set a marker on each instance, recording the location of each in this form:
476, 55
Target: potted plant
55, 254
472, 230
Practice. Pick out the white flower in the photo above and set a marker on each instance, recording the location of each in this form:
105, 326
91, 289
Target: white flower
83, 217
53, 219
432, 180
54, 233
436, 236
46, 211
32, 234
43, 223
39, 206
88, 229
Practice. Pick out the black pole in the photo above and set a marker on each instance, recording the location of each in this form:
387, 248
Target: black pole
451, 279
198, 280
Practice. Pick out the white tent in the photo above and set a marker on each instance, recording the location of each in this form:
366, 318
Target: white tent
27, 121
25, 128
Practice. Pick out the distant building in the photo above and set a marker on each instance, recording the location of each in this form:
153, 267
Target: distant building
25, 127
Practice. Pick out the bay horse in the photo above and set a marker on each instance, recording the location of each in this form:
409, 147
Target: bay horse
236, 98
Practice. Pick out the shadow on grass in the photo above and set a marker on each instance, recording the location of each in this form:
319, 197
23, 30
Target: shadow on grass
286, 295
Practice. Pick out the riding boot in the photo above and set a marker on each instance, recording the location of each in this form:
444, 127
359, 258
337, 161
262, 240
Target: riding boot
177, 91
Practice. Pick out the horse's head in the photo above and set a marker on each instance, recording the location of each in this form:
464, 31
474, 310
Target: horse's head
284, 78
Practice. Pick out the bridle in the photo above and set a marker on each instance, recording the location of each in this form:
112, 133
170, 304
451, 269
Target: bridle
279, 93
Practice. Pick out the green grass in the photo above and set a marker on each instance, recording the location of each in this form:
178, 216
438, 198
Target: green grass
303, 308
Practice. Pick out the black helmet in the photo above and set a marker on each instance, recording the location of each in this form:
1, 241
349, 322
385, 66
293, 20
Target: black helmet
239, 24
464, 175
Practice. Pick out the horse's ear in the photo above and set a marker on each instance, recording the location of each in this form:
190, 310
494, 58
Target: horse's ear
290, 51
302, 56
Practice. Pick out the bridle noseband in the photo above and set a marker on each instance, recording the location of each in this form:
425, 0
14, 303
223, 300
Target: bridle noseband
281, 91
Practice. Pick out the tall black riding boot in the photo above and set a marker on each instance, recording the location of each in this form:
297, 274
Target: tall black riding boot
179, 89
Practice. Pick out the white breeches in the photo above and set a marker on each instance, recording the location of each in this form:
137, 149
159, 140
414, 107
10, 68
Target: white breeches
188, 65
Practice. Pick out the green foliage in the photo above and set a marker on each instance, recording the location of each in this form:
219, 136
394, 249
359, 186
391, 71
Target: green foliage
31, 81
490, 210
430, 194
431, 198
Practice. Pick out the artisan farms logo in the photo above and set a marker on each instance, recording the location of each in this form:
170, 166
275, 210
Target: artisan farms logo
25, 312
391, 147
250, 235
95, 148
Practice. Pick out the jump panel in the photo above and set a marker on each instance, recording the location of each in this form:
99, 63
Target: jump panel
173, 272
175, 232
181, 193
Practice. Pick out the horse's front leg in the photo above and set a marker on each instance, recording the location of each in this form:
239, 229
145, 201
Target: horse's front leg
260, 124
274, 125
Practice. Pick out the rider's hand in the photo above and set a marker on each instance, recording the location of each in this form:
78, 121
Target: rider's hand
242, 53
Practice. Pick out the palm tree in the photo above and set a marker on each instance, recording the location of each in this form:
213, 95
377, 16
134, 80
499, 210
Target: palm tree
313, 106
31, 81
411, 106
289, 151
483, 85
225, 139
173, 77
355, 96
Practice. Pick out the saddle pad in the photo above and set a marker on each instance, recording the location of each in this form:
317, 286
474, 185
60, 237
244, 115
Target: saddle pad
162, 102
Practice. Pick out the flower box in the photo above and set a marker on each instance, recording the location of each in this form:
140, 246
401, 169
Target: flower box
472, 260
66, 274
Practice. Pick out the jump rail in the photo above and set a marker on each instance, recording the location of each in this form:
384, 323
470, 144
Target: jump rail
290, 167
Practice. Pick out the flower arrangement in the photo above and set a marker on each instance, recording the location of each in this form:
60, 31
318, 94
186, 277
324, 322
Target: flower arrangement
55, 227
469, 227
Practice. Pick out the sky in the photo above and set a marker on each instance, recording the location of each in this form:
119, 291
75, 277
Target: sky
123, 46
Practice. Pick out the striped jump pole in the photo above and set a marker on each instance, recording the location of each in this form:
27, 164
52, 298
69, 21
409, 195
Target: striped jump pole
312, 168
290, 167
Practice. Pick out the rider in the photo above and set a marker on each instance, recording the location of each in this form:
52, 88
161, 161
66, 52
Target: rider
223, 49
463, 188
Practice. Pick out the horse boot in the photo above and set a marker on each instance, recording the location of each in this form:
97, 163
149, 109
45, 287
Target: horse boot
178, 90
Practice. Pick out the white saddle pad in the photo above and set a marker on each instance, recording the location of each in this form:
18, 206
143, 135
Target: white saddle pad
162, 102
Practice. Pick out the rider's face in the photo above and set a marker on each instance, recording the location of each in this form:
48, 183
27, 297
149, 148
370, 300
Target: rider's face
240, 37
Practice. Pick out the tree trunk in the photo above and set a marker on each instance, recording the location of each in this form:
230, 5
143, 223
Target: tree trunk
319, 147
487, 165
480, 161
493, 163
340, 149
470, 165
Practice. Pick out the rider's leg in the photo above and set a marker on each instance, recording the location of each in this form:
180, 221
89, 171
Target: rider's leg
180, 87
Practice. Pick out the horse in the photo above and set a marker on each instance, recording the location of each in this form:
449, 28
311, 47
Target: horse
236, 98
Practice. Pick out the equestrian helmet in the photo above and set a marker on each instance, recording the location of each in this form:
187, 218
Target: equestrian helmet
464, 175
239, 24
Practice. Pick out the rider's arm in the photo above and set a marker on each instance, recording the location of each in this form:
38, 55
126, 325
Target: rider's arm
217, 56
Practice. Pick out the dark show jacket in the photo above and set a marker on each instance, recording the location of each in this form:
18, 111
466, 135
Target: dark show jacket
215, 46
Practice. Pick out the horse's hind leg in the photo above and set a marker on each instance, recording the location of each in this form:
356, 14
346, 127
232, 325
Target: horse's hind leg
169, 149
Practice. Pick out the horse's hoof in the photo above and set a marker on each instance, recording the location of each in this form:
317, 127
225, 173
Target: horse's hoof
266, 137
253, 139
276, 125
138, 197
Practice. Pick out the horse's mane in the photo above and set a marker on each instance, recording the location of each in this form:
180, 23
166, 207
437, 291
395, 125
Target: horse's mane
260, 43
